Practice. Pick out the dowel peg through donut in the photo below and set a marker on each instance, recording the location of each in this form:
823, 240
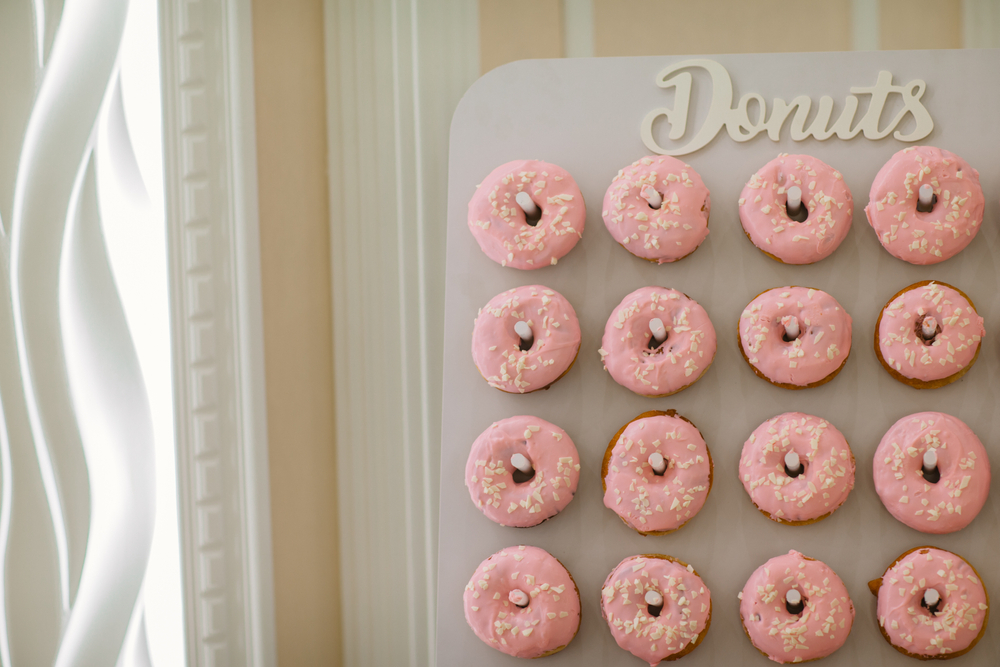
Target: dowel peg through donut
527, 205
792, 464
931, 598
928, 328
930, 459
519, 597
657, 463
521, 462
650, 194
658, 330
791, 325
925, 197
653, 599
793, 601
522, 329
794, 199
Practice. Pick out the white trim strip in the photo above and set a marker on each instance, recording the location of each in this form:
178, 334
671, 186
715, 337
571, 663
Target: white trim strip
865, 25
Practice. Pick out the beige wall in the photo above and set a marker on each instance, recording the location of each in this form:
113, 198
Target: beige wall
920, 24
662, 27
517, 29
298, 341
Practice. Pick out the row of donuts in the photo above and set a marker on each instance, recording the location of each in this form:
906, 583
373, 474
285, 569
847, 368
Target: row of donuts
930, 470
925, 206
931, 604
659, 341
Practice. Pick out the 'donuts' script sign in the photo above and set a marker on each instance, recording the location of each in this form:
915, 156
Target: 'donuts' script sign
736, 120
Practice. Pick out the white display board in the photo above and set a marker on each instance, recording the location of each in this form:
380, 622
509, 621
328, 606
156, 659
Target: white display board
585, 115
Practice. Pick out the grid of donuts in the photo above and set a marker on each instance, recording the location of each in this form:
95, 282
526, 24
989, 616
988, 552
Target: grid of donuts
930, 470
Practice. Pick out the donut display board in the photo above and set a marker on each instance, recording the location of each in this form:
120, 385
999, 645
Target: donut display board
588, 116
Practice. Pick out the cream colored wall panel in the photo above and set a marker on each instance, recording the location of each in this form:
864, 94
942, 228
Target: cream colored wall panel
664, 27
519, 29
295, 270
921, 24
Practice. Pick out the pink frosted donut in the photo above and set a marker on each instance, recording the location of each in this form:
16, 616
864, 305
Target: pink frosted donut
929, 237
496, 346
816, 631
510, 237
906, 351
505, 494
673, 364
764, 211
811, 492
654, 632
651, 502
813, 355
514, 576
952, 625
669, 231
940, 501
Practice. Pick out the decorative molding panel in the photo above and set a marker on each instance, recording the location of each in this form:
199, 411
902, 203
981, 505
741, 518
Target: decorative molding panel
210, 174
395, 72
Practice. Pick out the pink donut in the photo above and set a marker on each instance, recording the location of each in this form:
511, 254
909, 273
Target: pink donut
677, 362
499, 489
827, 468
543, 626
655, 632
915, 236
958, 619
962, 479
666, 233
913, 358
511, 238
657, 503
783, 636
818, 351
764, 211
496, 346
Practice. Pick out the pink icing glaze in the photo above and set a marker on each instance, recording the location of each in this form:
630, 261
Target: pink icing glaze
687, 606
489, 472
954, 501
912, 627
821, 348
496, 346
500, 225
552, 616
818, 631
827, 478
668, 233
764, 214
934, 236
951, 350
678, 362
649, 502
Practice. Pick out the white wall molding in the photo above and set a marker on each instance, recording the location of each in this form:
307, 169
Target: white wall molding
395, 72
980, 24
211, 201
866, 25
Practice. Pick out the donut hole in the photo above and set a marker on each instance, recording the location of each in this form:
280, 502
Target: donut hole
797, 608
927, 208
521, 477
654, 344
931, 476
525, 345
788, 339
795, 473
656, 208
935, 608
532, 218
918, 328
800, 215
654, 610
